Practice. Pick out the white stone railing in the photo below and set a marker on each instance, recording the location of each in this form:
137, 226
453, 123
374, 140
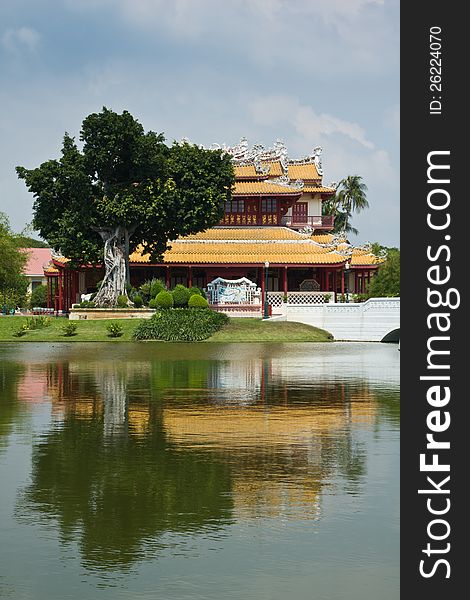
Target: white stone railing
299, 298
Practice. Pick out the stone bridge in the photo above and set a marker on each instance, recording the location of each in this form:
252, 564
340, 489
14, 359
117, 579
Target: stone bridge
376, 320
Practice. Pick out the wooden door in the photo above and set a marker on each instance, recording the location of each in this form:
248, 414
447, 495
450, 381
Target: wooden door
300, 212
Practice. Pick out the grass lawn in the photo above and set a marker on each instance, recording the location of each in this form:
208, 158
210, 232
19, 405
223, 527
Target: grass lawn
237, 330
256, 330
87, 331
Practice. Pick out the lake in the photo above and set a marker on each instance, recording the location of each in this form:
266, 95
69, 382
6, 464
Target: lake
199, 471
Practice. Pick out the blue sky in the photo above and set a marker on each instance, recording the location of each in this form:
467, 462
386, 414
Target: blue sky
310, 72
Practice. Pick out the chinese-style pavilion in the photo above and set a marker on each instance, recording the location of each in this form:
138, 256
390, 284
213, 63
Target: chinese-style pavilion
275, 216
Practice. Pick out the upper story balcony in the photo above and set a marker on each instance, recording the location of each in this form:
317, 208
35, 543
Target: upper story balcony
296, 221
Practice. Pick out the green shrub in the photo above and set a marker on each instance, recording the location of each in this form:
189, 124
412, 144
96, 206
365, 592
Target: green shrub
22, 330
197, 290
156, 286
153, 303
87, 304
180, 296
114, 328
69, 328
164, 300
197, 301
38, 322
39, 297
137, 300
144, 290
181, 325
194, 290
122, 301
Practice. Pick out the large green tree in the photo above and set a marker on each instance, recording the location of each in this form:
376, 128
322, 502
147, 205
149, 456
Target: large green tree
350, 197
386, 283
124, 188
13, 283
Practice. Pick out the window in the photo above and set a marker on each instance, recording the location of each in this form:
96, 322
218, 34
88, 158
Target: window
235, 206
269, 205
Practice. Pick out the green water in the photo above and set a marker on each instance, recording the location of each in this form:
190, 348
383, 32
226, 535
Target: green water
208, 472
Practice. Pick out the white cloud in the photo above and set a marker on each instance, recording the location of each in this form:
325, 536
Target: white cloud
268, 110
14, 40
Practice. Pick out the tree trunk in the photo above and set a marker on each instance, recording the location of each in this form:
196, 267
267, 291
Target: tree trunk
114, 282
126, 255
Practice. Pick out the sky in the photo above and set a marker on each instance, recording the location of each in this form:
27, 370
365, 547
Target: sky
310, 72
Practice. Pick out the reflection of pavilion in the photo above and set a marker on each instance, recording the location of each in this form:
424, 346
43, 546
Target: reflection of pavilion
277, 452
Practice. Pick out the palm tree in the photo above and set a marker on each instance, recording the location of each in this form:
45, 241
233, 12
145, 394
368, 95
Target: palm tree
350, 197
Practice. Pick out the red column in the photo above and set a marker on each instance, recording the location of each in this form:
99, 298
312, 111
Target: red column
167, 278
335, 284
284, 280
61, 298
342, 281
190, 276
66, 289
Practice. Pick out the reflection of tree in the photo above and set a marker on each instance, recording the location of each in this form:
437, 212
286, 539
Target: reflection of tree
11, 411
142, 448
123, 492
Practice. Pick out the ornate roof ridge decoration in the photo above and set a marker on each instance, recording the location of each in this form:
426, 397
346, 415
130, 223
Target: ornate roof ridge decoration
219, 241
243, 155
313, 158
284, 180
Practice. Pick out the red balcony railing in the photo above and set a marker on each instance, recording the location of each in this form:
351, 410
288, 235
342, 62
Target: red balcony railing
319, 222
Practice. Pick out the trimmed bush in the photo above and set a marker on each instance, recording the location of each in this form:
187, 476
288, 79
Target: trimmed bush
164, 300
144, 290
156, 286
87, 304
22, 330
38, 322
115, 329
181, 325
70, 328
197, 301
137, 300
197, 290
122, 301
39, 297
153, 303
180, 296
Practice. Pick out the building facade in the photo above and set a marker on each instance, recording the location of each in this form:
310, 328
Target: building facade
273, 229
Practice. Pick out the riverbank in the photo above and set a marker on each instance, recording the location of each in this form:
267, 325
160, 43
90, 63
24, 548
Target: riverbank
237, 330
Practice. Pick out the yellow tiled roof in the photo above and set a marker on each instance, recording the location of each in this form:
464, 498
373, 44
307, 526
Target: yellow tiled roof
251, 252
255, 188
242, 171
307, 172
248, 233
358, 259
50, 269
322, 238
275, 168
318, 189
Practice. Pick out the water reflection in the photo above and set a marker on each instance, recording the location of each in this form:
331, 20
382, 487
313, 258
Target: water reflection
144, 451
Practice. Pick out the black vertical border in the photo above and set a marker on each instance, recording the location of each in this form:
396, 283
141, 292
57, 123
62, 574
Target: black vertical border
421, 133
